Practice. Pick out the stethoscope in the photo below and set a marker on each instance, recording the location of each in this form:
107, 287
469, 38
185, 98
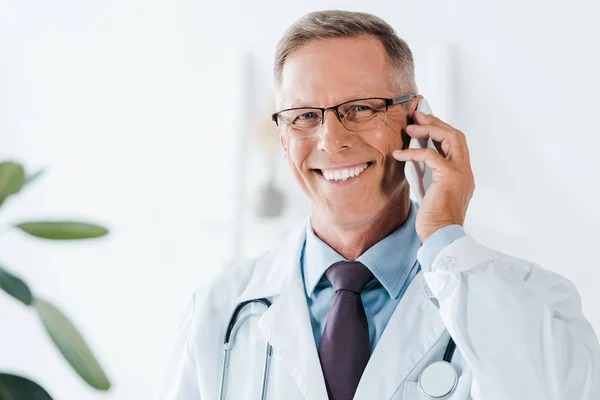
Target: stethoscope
437, 381
229, 342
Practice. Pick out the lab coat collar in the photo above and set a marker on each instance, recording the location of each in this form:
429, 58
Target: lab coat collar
286, 324
277, 268
413, 329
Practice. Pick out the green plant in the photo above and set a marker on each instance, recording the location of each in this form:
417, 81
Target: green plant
62, 332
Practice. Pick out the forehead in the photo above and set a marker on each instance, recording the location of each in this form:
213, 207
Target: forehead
330, 71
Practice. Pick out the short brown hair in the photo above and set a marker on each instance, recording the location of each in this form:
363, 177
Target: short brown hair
346, 24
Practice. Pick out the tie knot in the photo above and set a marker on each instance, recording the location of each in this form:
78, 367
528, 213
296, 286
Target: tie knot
348, 275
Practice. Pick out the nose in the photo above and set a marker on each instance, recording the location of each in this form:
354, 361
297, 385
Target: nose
335, 137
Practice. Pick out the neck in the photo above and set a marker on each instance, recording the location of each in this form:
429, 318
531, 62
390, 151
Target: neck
352, 240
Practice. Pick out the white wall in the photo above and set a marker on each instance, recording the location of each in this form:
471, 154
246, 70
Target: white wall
112, 98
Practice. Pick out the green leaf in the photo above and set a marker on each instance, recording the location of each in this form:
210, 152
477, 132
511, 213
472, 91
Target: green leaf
71, 344
14, 387
12, 179
62, 230
15, 287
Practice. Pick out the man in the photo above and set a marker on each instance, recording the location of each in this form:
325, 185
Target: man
370, 290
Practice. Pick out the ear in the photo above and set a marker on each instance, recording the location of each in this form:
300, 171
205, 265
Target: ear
409, 120
277, 106
413, 107
283, 142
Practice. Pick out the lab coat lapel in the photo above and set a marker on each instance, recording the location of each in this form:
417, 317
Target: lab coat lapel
415, 326
286, 324
287, 327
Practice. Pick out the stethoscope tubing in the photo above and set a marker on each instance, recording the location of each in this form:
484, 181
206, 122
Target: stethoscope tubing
228, 345
232, 331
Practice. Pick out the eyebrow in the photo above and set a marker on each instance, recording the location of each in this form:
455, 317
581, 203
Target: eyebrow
298, 103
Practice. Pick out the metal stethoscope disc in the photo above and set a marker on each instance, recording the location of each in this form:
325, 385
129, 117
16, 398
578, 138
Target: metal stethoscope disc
438, 380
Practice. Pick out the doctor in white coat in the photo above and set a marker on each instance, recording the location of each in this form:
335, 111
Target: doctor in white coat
345, 86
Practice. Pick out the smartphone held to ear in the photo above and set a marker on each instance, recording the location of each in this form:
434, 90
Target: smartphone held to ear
418, 175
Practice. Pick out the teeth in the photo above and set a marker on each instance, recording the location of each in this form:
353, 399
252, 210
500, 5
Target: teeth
344, 174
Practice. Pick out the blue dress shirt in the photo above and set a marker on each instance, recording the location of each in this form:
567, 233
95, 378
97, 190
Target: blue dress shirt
393, 261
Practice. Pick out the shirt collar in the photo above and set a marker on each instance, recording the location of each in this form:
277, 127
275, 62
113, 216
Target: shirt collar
390, 260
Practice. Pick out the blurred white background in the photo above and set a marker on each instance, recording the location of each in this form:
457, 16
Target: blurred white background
144, 115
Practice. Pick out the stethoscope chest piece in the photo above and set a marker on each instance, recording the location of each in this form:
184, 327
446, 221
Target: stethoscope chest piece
438, 380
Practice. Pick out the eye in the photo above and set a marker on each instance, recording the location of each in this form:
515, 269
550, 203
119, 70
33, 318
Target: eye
306, 119
359, 111
307, 116
362, 108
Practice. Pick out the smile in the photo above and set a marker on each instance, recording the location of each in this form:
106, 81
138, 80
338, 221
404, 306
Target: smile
343, 174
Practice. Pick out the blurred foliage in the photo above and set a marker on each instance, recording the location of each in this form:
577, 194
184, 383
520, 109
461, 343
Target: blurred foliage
62, 332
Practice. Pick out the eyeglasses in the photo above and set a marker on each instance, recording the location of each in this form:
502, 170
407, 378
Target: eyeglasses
355, 115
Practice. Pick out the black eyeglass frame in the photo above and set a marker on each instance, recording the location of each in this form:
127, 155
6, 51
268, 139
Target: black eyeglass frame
388, 102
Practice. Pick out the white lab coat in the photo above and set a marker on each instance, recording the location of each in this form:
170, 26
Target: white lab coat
519, 330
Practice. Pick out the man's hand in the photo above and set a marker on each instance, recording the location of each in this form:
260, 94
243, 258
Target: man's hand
447, 199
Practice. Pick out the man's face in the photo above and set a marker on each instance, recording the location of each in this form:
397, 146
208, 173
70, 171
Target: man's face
326, 73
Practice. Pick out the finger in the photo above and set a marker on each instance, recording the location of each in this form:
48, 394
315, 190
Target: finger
429, 119
445, 140
430, 157
438, 147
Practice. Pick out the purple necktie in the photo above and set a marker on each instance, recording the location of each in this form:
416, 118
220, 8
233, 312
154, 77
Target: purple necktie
344, 348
